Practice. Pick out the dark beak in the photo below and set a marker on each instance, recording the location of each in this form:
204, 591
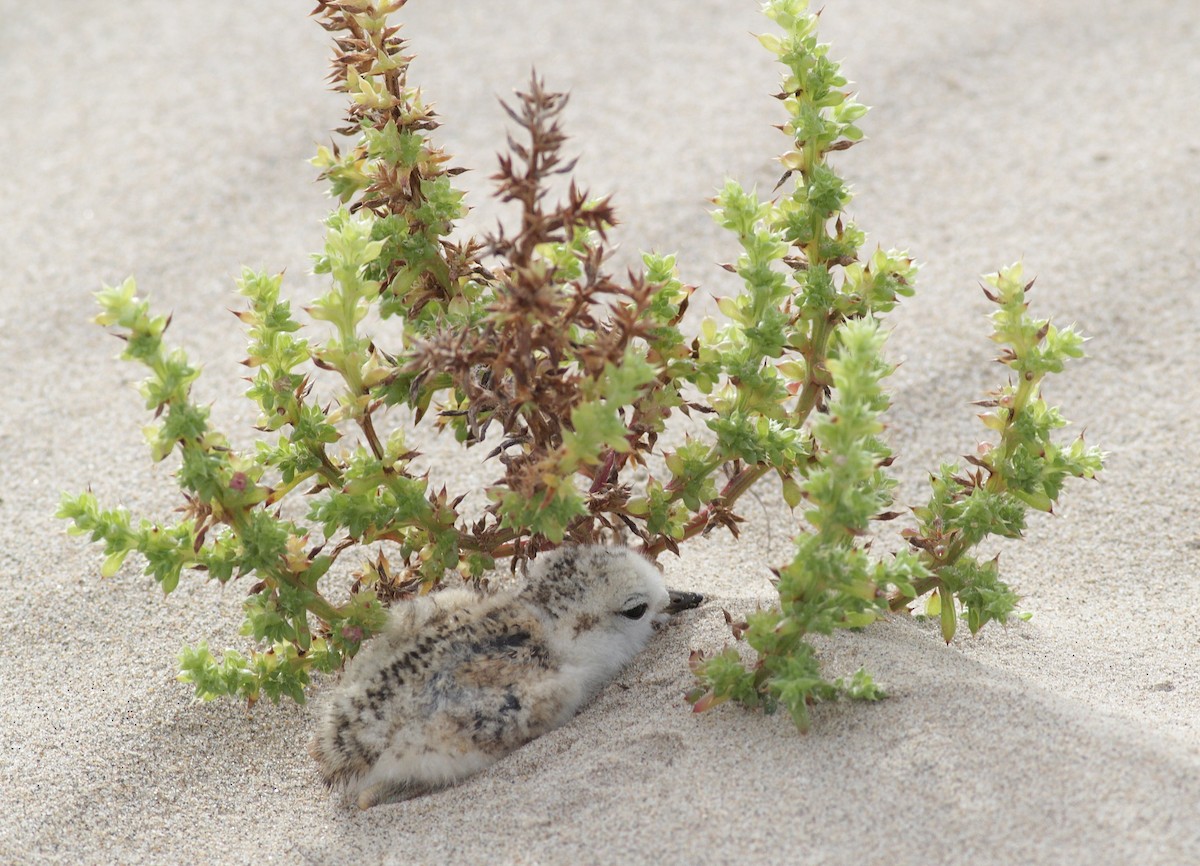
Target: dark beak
682, 601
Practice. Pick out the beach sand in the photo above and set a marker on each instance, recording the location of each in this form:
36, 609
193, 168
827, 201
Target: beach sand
169, 141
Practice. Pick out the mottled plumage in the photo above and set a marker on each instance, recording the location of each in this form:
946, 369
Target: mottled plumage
459, 679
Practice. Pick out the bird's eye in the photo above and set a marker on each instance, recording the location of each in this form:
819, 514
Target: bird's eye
635, 612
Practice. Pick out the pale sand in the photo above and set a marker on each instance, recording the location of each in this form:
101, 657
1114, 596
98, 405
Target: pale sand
1063, 133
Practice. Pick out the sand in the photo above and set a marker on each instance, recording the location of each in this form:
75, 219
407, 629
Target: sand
169, 141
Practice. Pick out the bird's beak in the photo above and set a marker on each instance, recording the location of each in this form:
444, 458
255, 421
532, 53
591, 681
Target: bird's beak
682, 601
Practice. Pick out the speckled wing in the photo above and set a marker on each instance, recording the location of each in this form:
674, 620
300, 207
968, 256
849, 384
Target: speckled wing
499, 686
451, 686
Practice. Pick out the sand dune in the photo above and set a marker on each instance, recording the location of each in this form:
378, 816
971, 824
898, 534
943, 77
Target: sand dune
170, 143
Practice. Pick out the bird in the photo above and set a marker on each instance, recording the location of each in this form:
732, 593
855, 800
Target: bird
457, 679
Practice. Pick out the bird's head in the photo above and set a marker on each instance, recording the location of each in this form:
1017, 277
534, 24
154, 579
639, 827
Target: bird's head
601, 603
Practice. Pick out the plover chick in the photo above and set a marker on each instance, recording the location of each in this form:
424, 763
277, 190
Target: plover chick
458, 679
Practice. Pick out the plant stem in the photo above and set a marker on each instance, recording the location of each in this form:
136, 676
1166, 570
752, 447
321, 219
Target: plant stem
319, 606
368, 428
816, 378
733, 490
331, 473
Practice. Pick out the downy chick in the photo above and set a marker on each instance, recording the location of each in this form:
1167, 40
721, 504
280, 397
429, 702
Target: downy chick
458, 679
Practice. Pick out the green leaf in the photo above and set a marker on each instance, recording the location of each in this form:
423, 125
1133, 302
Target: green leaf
594, 426
112, 563
949, 615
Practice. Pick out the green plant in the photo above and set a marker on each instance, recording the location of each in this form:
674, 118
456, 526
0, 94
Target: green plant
830, 322
522, 346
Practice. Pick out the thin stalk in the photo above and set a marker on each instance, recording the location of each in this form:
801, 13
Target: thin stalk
368, 428
737, 485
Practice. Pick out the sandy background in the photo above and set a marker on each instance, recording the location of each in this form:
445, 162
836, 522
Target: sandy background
169, 141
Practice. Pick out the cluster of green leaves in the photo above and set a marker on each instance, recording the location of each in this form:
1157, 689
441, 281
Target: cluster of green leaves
385, 250
828, 317
228, 528
1024, 469
523, 343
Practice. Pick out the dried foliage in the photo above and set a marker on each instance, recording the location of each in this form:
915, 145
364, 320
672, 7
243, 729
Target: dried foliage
559, 333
